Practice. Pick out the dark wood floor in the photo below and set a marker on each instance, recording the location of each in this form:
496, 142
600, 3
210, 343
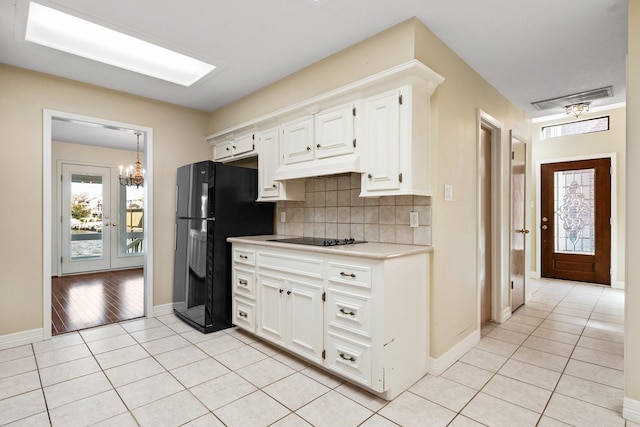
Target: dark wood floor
88, 300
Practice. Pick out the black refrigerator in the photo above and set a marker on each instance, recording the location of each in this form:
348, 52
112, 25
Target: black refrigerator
213, 201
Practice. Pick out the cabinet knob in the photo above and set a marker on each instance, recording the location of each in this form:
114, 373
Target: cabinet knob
234, 147
318, 146
288, 292
308, 148
281, 290
275, 186
227, 148
369, 176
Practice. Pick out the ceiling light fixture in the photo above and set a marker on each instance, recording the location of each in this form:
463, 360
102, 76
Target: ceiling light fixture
133, 175
52, 28
577, 109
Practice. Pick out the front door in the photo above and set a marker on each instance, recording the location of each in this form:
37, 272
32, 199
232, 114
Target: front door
102, 222
575, 220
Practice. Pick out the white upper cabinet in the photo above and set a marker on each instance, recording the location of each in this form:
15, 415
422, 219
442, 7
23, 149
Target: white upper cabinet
268, 161
234, 147
322, 143
378, 126
335, 131
297, 141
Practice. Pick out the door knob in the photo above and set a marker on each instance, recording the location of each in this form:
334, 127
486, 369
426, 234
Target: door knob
545, 219
544, 227
523, 231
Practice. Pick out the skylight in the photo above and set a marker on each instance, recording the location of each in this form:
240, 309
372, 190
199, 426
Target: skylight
61, 31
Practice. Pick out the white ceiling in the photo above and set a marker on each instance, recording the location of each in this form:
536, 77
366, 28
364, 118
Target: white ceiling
529, 50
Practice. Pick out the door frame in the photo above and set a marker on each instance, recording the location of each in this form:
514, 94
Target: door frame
500, 296
615, 284
47, 117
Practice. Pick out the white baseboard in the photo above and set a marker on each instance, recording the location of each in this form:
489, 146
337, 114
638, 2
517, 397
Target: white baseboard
21, 338
438, 366
631, 410
161, 310
504, 315
618, 285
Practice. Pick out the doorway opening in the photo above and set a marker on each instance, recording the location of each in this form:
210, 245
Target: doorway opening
492, 239
96, 223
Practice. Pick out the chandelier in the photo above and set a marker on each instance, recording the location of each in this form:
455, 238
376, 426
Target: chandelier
577, 109
133, 175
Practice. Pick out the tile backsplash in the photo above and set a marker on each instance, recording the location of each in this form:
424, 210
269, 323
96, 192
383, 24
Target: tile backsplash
333, 209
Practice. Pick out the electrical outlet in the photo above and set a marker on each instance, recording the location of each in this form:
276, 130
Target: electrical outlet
448, 193
283, 216
413, 219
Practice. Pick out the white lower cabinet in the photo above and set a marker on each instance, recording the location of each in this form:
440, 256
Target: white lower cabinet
364, 319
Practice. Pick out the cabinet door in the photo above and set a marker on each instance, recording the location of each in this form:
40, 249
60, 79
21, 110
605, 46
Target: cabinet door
334, 132
222, 150
297, 141
271, 309
305, 319
269, 153
382, 137
243, 144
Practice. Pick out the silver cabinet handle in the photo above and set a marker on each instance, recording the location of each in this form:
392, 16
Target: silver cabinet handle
243, 257
348, 313
343, 274
350, 358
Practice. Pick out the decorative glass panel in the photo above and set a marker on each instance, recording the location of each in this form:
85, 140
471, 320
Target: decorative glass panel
131, 220
86, 216
574, 207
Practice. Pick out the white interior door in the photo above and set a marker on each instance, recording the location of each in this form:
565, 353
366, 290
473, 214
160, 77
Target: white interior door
102, 221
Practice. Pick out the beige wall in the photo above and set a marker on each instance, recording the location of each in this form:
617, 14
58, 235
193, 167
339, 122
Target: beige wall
178, 139
632, 280
454, 150
581, 146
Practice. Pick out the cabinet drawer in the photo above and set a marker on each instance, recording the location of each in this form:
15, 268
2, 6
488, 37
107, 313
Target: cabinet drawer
349, 311
293, 264
349, 358
244, 256
244, 283
356, 275
244, 315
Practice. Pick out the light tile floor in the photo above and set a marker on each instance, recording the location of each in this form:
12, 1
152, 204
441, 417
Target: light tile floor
558, 361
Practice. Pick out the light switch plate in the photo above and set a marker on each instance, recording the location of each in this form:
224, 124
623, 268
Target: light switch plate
448, 193
283, 216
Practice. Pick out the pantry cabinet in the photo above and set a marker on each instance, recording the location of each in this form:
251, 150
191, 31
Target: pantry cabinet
363, 316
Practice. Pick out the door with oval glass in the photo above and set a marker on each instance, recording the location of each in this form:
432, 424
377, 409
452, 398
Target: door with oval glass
101, 221
575, 218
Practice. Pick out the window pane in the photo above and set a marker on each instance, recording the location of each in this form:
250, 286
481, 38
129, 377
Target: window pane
574, 195
86, 216
576, 128
131, 220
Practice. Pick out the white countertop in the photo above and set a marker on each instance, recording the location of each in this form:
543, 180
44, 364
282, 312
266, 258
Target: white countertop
363, 250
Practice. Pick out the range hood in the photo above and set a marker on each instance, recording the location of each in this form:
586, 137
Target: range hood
320, 167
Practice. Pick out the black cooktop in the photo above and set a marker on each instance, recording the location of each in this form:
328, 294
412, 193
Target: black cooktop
318, 241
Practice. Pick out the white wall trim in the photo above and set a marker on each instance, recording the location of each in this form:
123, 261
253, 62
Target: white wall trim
631, 410
21, 338
438, 366
163, 309
614, 209
47, 117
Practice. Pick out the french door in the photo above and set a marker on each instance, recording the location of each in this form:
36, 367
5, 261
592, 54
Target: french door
101, 221
575, 217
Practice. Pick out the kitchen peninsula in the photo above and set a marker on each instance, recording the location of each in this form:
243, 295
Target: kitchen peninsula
359, 310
